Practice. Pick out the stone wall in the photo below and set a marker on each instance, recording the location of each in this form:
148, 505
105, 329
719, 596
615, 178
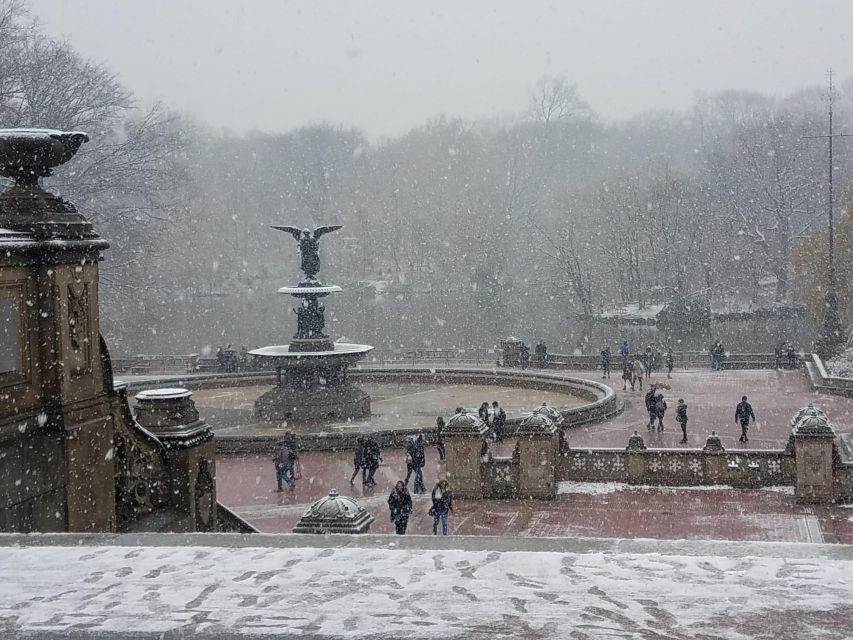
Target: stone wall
678, 467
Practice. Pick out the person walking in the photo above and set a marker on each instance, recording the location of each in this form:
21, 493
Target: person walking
651, 408
624, 350
281, 459
627, 375
442, 504
743, 413
669, 362
605, 362
498, 420
439, 438
483, 412
681, 419
372, 458
525, 356
415, 461
400, 505
358, 461
660, 410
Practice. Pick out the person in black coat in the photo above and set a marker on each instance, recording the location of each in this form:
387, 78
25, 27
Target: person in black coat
400, 505
439, 438
605, 362
483, 412
743, 413
650, 407
415, 461
358, 461
660, 410
372, 458
681, 419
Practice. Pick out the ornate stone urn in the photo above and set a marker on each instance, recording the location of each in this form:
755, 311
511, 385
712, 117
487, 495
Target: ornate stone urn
25, 156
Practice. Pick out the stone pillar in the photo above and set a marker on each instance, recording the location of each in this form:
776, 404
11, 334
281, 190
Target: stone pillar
813, 442
714, 459
636, 463
57, 472
536, 455
171, 416
464, 446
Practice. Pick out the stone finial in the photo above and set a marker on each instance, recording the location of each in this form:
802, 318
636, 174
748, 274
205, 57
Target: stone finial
811, 421
635, 442
465, 424
537, 424
713, 444
335, 514
552, 413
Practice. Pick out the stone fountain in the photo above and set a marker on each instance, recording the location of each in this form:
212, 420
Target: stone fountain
311, 371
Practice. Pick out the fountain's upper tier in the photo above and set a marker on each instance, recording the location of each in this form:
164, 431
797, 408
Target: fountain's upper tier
318, 291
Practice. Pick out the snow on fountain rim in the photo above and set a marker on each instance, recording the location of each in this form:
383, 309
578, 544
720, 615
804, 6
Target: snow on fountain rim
331, 288
283, 350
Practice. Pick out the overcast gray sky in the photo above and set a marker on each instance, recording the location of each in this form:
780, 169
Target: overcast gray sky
388, 65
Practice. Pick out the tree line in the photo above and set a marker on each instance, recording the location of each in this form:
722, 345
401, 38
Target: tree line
456, 232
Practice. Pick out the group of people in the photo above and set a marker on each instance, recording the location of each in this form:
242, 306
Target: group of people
230, 360
368, 455
716, 353
400, 506
493, 417
636, 367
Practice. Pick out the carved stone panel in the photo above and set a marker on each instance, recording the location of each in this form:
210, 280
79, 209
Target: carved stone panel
9, 343
14, 348
80, 346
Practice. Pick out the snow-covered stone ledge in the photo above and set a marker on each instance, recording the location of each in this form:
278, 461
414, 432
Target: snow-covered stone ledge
420, 587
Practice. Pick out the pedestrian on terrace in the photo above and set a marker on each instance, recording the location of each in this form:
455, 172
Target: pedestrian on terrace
498, 420
358, 461
681, 419
415, 461
669, 362
660, 410
743, 413
400, 505
605, 362
483, 412
439, 438
442, 504
372, 458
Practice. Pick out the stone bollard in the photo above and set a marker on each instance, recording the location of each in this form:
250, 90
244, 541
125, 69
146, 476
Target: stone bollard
537, 449
714, 459
636, 463
463, 443
813, 443
171, 416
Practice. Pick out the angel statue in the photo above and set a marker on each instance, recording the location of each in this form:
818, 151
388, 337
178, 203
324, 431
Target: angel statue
309, 247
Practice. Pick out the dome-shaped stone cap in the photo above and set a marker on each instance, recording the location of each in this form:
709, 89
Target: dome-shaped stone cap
335, 506
465, 423
335, 514
552, 413
811, 421
537, 424
636, 443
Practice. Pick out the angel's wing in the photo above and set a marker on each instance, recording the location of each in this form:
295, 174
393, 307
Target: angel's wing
319, 231
296, 233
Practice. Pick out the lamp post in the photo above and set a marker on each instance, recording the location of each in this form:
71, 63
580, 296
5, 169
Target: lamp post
832, 334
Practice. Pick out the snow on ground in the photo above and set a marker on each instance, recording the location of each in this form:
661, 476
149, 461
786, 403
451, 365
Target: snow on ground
842, 364
599, 488
422, 593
